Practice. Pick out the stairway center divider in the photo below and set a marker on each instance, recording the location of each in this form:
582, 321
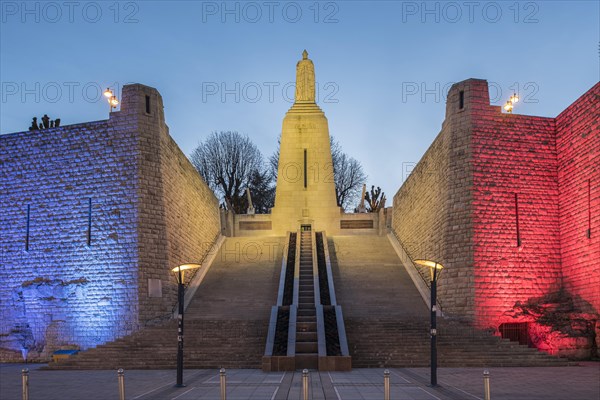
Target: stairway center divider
291, 350
275, 309
345, 352
319, 307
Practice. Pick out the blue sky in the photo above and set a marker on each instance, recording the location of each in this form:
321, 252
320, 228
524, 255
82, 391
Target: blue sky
382, 67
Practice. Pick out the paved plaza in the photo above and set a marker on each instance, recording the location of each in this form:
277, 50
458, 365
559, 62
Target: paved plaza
560, 383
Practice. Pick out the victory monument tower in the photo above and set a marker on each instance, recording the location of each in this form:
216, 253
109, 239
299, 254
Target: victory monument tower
305, 194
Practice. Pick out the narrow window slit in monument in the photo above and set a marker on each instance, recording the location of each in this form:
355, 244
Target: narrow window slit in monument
147, 104
305, 170
461, 99
89, 225
589, 198
517, 219
27, 228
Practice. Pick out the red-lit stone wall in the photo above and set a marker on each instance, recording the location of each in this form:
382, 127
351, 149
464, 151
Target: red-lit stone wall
487, 165
513, 155
578, 147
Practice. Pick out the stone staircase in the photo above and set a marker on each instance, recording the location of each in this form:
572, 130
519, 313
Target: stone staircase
306, 328
387, 321
226, 322
377, 343
208, 344
307, 346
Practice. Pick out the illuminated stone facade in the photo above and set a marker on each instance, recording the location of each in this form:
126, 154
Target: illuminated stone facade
91, 215
510, 205
305, 193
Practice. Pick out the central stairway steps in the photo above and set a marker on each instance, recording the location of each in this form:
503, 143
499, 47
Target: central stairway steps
307, 345
306, 329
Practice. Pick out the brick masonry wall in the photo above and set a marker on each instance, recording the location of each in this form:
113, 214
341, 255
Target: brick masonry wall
150, 212
61, 290
192, 218
578, 146
459, 208
431, 213
513, 154
178, 216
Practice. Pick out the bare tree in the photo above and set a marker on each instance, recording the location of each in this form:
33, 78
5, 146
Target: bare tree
373, 199
348, 175
229, 163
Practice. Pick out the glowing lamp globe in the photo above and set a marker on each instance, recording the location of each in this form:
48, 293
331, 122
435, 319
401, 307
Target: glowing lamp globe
432, 265
179, 270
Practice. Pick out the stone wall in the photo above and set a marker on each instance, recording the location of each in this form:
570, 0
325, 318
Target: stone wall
460, 204
179, 215
62, 289
578, 145
148, 209
431, 212
514, 168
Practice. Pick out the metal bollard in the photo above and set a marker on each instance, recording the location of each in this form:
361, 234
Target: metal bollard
486, 385
386, 384
121, 379
223, 384
25, 379
305, 384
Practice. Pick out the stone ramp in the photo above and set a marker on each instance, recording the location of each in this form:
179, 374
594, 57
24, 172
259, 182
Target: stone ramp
226, 322
370, 281
387, 321
242, 282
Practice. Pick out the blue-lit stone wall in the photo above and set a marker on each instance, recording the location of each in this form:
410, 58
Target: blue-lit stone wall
68, 223
90, 215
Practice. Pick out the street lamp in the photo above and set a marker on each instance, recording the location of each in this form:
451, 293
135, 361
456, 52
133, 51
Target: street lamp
179, 271
435, 269
113, 102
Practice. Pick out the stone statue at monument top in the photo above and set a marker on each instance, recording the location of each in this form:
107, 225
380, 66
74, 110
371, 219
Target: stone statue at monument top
305, 80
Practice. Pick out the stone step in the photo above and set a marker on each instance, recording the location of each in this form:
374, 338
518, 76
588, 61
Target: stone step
302, 336
386, 319
308, 361
305, 326
235, 336
306, 347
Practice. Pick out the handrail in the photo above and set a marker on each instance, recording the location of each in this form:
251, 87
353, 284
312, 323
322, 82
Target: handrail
397, 244
194, 272
281, 289
201, 262
172, 313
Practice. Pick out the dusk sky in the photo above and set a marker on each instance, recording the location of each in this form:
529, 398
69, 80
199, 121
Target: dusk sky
382, 68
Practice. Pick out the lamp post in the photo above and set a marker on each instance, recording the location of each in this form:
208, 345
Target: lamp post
435, 269
179, 271
113, 102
